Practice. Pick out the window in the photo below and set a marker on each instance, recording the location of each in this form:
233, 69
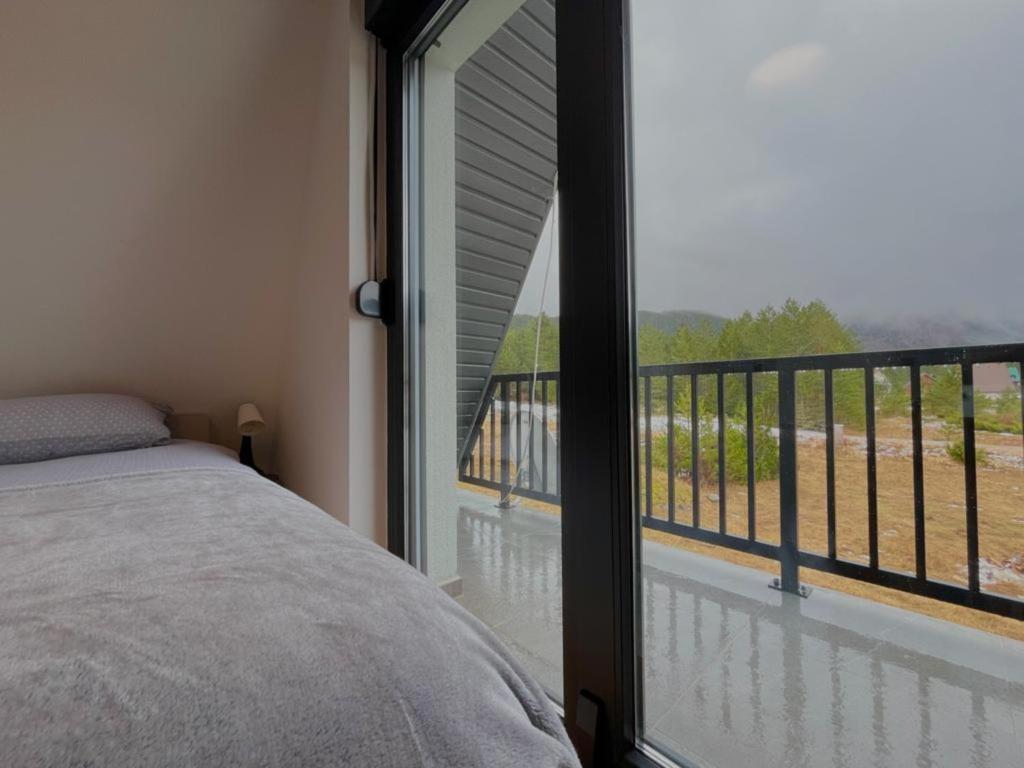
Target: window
763, 425
826, 247
483, 284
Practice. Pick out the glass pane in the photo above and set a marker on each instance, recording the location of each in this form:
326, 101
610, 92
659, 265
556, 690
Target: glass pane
828, 228
485, 348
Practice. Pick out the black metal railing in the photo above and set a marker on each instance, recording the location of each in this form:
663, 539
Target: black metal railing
513, 445
515, 434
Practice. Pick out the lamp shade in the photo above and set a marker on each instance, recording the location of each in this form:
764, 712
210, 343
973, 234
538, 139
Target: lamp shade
249, 420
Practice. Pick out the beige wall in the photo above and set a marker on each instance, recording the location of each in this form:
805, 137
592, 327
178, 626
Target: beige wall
333, 387
367, 370
174, 216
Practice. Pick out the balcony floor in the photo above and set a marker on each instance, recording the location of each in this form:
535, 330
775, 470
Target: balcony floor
738, 674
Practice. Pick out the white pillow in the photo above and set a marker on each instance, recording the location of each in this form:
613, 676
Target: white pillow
41, 428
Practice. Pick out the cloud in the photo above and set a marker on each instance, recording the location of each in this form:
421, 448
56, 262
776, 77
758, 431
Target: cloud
864, 155
788, 68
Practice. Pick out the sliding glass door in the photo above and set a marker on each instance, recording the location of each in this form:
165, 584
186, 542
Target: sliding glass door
483, 292
706, 376
829, 338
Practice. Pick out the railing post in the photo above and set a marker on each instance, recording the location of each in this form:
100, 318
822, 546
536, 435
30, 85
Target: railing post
872, 464
789, 580
695, 447
506, 445
920, 539
648, 495
970, 474
751, 460
670, 421
518, 476
544, 436
830, 462
720, 397
493, 395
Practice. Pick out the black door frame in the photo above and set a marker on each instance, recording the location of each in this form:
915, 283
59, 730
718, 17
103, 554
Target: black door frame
600, 532
395, 264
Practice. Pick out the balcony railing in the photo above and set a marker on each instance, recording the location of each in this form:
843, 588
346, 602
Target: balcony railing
513, 449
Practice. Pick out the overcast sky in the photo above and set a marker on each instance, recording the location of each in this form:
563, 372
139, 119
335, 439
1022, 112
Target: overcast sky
866, 152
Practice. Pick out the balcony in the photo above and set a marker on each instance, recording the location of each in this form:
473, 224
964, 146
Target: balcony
817, 586
742, 674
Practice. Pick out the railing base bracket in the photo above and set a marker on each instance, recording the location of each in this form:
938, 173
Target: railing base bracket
802, 591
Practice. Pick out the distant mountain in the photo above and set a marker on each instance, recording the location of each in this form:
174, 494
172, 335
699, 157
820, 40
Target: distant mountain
918, 332
672, 320
664, 321
875, 334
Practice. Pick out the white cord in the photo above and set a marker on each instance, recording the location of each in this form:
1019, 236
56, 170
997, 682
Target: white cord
552, 234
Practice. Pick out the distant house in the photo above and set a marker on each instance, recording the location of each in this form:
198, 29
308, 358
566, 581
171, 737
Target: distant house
995, 378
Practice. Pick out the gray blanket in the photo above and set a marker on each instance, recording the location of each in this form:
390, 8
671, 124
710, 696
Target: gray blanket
211, 618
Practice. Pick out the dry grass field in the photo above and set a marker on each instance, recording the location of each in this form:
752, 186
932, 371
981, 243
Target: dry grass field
1000, 516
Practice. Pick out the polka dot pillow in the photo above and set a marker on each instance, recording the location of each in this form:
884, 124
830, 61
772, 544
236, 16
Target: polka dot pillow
41, 428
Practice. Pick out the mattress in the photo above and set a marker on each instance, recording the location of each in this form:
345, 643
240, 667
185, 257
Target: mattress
167, 606
178, 455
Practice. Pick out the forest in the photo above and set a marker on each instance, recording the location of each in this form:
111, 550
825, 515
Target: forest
793, 329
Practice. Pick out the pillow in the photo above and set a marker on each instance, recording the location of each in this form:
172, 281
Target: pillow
41, 428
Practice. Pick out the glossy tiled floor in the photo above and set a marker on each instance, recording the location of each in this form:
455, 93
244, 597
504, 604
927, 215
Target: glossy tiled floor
737, 674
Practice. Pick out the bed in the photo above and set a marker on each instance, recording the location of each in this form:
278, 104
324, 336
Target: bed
168, 606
